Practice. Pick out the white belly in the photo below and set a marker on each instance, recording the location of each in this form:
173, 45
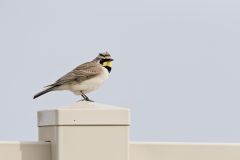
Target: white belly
91, 84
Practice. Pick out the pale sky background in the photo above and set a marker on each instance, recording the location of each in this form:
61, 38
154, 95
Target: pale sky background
176, 63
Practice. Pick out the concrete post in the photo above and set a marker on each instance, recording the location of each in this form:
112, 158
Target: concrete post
86, 131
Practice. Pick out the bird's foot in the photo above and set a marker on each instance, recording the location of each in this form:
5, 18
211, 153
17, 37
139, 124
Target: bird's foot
81, 100
87, 99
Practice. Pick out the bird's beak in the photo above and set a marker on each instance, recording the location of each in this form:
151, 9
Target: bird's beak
110, 59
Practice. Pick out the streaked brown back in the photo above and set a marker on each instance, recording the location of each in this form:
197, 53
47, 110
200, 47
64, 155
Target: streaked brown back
81, 73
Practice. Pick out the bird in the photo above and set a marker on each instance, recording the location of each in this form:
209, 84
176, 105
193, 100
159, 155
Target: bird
83, 79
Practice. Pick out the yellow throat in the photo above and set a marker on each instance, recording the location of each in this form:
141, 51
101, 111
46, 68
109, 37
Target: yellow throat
107, 64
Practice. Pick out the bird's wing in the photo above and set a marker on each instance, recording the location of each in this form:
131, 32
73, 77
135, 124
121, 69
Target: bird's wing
82, 72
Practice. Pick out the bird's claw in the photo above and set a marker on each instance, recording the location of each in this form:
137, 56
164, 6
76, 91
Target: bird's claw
88, 100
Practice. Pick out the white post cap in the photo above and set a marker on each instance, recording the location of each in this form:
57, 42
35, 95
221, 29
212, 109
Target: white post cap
84, 113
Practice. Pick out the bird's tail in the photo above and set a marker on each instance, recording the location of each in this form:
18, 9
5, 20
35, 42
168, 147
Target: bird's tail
44, 92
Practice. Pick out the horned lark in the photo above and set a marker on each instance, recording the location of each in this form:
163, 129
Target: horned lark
85, 78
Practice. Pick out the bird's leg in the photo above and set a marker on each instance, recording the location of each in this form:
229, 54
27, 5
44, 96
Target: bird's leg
83, 95
86, 98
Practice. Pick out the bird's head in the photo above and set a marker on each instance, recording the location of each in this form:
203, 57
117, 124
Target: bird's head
105, 60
